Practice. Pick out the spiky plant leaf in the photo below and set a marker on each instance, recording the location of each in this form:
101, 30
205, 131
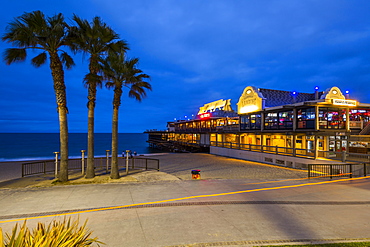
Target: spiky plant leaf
55, 234
1, 238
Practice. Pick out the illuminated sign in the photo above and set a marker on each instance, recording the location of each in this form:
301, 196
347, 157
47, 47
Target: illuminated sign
333, 93
344, 102
218, 105
250, 101
205, 115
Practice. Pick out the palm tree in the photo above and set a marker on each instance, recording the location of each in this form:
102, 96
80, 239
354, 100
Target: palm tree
49, 35
95, 39
120, 73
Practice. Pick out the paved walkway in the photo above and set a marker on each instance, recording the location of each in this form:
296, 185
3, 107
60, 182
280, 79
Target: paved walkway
227, 207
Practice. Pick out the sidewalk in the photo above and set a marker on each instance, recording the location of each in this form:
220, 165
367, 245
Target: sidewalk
260, 212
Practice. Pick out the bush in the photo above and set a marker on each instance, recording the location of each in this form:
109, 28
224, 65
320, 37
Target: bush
56, 234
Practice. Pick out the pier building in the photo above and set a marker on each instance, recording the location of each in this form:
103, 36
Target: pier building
275, 126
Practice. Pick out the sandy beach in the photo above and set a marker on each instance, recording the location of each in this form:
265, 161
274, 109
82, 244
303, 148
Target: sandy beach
10, 170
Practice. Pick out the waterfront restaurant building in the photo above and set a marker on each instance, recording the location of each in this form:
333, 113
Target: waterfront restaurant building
275, 126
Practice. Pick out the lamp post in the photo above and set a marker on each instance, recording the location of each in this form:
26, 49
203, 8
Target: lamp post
56, 164
83, 162
127, 154
107, 167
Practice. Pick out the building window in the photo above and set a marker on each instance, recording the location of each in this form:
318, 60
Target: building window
279, 120
286, 120
255, 121
306, 118
332, 118
250, 122
358, 118
271, 120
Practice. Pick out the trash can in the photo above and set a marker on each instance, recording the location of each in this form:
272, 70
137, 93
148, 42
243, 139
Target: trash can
195, 174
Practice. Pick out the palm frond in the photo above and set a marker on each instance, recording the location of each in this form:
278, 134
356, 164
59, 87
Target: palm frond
67, 60
119, 71
33, 30
39, 59
94, 37
137, 90
12, 55
110, 84
120, 46
93, 79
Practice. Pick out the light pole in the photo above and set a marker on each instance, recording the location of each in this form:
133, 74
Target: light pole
83, 162
127, 153
56, 164
107, 167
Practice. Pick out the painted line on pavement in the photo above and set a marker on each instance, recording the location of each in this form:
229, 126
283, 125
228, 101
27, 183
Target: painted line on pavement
184, 198
297, 179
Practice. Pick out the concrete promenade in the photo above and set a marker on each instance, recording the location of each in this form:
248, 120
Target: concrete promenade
236, 203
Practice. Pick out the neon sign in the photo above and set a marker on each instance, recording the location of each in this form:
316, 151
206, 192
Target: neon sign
204, 116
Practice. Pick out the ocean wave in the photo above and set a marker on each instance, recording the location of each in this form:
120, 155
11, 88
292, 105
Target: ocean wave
25, 159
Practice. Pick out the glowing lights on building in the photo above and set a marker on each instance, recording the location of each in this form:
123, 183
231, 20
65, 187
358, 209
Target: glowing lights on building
248, 108
205, 116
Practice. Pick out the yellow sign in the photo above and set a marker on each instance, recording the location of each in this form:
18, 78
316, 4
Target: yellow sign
344, 102
333, 93
222, 105
250, 101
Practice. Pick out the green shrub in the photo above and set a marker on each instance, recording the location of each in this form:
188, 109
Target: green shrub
56, 234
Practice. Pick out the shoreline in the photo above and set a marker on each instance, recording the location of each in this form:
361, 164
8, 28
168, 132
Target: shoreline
32, 159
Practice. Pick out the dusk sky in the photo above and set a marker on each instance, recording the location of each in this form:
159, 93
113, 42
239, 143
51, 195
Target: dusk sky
196, 52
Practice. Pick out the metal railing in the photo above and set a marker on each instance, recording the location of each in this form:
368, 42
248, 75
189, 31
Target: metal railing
40, 167
337, 170
344, 156
48, 166
296, 152
144, 163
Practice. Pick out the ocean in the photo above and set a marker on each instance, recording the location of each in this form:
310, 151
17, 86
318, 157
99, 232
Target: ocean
35, 146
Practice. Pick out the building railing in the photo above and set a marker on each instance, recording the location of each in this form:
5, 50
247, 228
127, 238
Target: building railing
296, 152
100, 163
344, 156
307, 153
337, 170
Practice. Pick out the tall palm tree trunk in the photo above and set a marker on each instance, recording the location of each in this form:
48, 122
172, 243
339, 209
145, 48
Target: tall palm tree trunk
90, 170
63, 135
61, 97
93, 68
114, 174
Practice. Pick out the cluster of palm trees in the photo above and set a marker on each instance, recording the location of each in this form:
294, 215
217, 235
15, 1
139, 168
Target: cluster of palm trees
108, 64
